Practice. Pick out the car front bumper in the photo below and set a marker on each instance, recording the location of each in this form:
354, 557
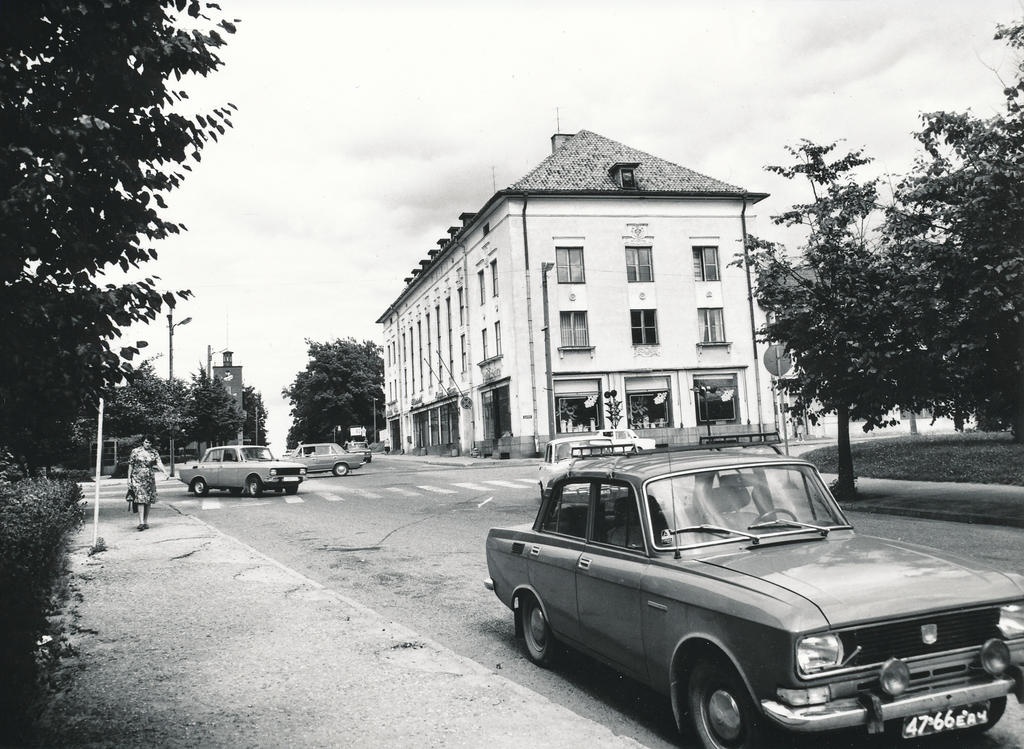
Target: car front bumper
852, 712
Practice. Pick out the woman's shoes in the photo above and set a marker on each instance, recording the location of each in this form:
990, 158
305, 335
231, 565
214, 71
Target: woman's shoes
143, 526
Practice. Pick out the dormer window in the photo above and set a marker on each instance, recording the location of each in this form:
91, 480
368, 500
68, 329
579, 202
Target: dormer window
624, 175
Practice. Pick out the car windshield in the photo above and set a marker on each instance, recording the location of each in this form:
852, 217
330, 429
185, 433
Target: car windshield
256, 453
696, 508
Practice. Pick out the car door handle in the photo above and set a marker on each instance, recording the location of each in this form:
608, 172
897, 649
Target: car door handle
534, 551
584, 563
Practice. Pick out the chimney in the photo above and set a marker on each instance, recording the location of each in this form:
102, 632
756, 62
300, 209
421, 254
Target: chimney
558, 140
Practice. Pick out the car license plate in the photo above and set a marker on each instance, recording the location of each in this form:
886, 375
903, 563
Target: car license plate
289, 478
943, 721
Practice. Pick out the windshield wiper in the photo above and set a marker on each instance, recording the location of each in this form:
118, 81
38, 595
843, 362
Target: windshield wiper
719, 529
789, 524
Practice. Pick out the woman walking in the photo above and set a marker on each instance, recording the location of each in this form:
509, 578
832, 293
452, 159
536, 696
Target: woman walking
143, 463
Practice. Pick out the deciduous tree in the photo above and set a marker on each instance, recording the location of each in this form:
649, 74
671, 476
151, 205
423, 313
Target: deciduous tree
92, 138
337, 388
835, 304
958, 225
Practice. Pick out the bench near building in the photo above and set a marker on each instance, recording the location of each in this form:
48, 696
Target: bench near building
594, 292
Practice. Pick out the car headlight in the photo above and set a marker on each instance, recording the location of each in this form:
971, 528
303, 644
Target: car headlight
817, 652
273, 471
1011, 620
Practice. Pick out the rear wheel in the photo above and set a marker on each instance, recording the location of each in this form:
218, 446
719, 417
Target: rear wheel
199, 486
340, 469
540, 642
253, 486
723, 714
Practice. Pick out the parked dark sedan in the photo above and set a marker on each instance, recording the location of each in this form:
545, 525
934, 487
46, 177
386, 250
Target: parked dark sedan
732, 582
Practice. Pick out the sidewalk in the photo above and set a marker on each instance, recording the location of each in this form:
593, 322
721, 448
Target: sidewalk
186, 637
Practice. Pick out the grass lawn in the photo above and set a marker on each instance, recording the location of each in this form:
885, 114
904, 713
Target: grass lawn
974, 457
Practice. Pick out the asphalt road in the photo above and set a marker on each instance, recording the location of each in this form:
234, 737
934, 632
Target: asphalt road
406, 539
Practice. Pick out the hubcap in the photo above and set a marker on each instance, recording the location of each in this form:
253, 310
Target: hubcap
724, 715
537, 627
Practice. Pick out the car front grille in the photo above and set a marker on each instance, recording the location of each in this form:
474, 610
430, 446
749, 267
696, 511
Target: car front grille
288, 471
906, 639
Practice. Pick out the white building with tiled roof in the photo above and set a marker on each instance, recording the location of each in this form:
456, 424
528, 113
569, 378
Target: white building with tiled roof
594, 292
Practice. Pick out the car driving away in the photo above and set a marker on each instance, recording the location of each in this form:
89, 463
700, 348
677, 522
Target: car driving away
729, 579
321, 457
249, 469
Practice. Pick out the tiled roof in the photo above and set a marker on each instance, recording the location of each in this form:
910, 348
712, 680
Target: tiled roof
584, 160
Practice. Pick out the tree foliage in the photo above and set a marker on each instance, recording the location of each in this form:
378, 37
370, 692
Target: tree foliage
835, 305
958, 226
337, 388
91, 140
255, 427
216, 418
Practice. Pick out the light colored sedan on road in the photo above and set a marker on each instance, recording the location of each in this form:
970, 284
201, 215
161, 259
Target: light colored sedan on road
249, 469
327, 456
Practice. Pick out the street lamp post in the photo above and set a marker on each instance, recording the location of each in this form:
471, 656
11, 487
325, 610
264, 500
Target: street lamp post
374, 437
171, 325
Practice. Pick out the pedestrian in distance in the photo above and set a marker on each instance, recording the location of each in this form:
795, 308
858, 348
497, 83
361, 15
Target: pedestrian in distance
143, 463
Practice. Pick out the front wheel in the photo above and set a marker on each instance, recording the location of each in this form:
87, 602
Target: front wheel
723, 714
253, 486
199, 487
340, 469
540, 642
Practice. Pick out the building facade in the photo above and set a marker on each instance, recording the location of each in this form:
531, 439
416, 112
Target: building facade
596, 291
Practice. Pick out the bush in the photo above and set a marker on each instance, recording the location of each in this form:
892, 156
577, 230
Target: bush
37, 519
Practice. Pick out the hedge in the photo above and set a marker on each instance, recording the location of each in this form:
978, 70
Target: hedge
38, 517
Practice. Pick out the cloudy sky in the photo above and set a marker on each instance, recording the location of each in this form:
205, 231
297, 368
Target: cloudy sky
364, 129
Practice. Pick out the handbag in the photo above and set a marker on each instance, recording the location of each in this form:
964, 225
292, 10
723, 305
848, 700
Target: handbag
130, 499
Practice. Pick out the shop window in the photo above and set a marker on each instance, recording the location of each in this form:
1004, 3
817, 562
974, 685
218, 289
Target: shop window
716, 399
649, 410
577, 413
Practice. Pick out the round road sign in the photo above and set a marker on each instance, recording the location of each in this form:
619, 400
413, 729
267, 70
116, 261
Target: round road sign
777, 360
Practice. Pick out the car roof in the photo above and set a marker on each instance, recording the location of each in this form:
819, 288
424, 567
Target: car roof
579, 437
650, 464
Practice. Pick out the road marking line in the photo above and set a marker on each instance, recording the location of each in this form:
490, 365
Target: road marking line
527, 481
332, 497
211, 504
506, 484
484, 502
401, 490
293, 500
437, 490
364, 493
474, 487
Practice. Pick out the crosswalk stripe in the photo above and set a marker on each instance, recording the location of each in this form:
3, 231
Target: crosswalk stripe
332, 497
293, 499
402, 490
437, 490
474, 487
527, 481
506, 484
365, 493
211, 504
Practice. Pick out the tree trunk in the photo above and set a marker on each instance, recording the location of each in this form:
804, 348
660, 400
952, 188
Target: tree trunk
845, 486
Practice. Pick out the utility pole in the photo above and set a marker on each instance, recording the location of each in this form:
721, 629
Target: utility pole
171, 325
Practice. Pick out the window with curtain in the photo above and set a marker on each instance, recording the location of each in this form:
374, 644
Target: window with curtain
705, 263
638, 264
574, 329
712, 325
569, 264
